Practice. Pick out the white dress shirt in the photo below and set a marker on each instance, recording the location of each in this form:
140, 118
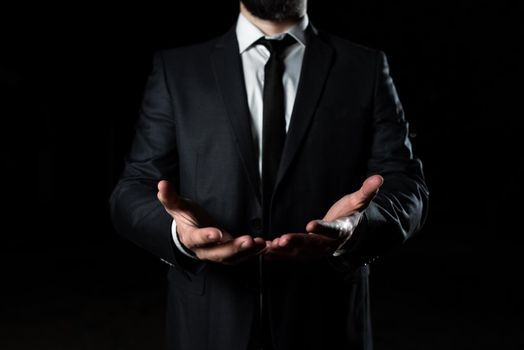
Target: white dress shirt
254, 58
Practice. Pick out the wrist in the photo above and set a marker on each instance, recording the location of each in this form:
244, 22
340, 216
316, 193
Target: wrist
351, 228
179, 245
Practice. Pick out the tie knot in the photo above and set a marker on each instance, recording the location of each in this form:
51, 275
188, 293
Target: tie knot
275, 46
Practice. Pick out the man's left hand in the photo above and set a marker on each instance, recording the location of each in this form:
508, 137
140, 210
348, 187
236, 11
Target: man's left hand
322, 238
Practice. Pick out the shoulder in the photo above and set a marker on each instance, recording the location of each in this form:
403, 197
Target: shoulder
187, 53
347, 50
196, 54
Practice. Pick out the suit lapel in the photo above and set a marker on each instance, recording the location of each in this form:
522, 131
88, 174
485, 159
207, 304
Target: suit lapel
227, 66
315, 69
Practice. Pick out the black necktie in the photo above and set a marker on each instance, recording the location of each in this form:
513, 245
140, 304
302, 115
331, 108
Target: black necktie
274, 122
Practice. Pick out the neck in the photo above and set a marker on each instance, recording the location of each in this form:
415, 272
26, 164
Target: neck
266, 26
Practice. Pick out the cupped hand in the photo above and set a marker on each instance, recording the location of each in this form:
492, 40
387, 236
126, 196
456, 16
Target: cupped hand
323, 237
349, 205
198, 232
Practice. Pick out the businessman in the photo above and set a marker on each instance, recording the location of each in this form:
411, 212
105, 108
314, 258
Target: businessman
270, 166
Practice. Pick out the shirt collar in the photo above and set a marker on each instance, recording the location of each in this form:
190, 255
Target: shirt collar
248, 33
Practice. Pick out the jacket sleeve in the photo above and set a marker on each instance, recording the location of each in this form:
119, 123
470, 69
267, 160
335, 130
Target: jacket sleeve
399, 209
136, 212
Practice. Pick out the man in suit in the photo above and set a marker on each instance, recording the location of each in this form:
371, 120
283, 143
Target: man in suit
270, 166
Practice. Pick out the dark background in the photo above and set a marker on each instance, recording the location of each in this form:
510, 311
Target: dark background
71, 81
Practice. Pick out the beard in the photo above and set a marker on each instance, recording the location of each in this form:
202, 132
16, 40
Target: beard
276, 10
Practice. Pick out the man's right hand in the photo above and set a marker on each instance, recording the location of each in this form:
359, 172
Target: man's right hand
197, 232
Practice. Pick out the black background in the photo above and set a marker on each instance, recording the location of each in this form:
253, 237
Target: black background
71, 80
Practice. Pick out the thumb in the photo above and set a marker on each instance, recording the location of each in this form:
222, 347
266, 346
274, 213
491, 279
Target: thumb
321, 227
167, 195
369, 190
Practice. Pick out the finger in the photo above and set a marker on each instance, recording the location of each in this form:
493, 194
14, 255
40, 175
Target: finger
259, 246
301, 241
307, 240
310, 227
284, 242
356, 201
369, 190
219, 253
292, 240
167, 195
232, 251
274, 243
299, 247
203, 236
263, 243
322, 227
281, 250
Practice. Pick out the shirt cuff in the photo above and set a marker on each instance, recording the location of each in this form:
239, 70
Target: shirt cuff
179, 244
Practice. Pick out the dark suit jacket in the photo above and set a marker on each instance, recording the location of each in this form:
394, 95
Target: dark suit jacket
194, 130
